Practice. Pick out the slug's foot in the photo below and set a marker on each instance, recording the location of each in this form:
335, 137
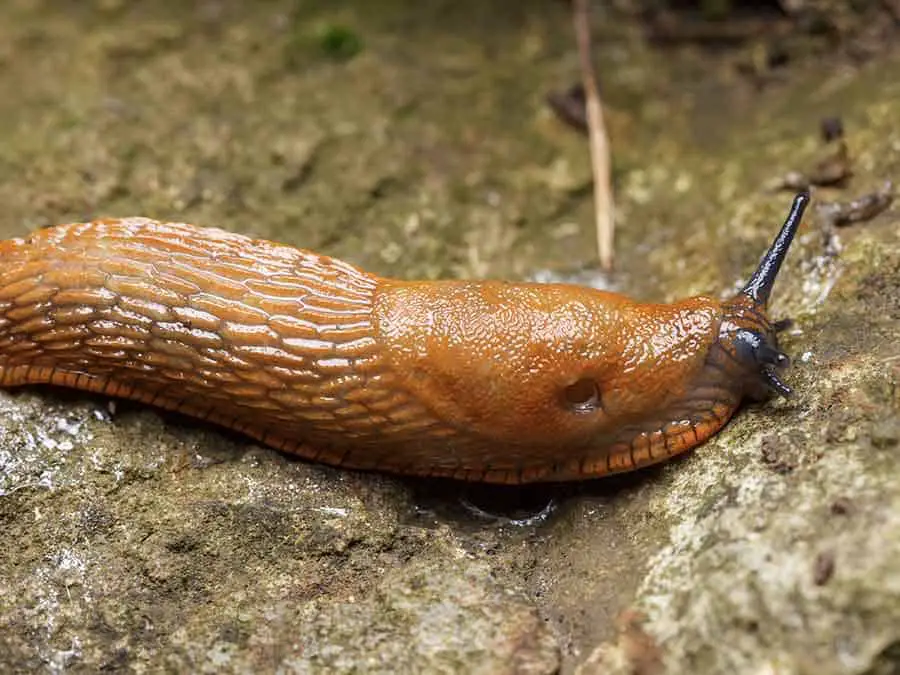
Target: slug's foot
754, 348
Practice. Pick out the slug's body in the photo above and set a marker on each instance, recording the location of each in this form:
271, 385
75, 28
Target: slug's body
487, 381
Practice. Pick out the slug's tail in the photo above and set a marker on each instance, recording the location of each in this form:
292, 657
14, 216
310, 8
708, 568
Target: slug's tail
760, 285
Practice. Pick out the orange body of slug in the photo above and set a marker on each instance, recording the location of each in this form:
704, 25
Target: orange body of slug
487, 381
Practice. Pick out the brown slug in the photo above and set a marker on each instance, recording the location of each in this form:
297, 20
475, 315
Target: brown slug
475, 380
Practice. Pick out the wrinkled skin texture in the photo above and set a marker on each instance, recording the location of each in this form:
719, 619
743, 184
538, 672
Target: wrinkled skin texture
488, 381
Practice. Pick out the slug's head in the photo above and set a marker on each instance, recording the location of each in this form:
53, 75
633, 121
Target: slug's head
747, 335
537, 382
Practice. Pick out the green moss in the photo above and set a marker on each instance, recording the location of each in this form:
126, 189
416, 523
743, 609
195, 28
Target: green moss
339, 42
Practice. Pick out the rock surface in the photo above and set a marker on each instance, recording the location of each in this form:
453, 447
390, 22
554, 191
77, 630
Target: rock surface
417, 142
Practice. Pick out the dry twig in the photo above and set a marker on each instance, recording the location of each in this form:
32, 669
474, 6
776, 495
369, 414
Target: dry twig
599, 143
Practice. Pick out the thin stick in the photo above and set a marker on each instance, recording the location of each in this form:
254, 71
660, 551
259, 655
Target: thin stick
599, 143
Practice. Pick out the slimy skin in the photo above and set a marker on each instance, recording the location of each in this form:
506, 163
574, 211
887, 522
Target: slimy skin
482, 381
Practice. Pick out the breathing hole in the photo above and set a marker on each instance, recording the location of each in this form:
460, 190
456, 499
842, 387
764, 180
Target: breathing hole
582, 396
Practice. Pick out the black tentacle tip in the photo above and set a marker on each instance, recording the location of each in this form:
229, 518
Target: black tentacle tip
800, 200
772, 382
758, 353
767, 355
760, 285
782, 325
